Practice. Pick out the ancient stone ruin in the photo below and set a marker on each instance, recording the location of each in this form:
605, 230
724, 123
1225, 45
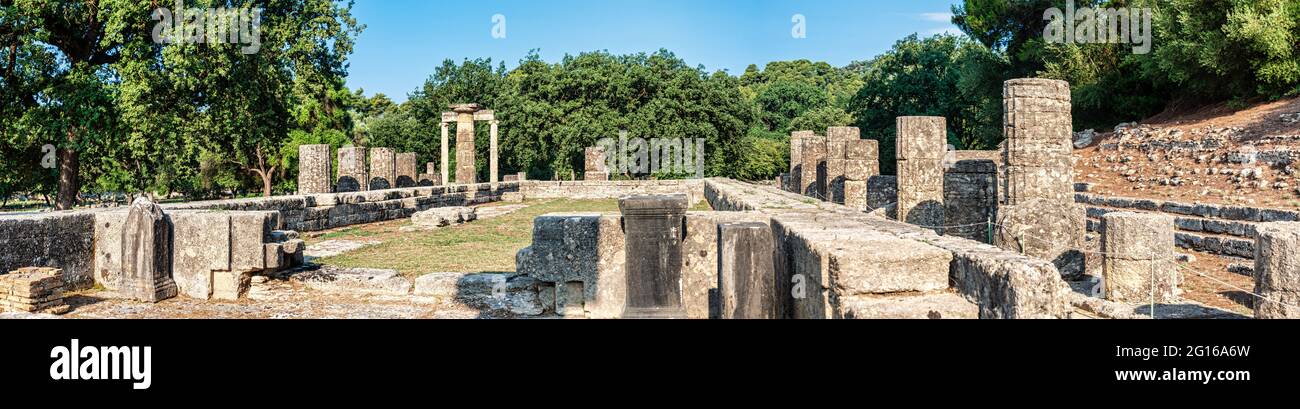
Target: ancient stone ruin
353, 176
33, 290
314, 169
146, 254
955, 234
407, 170
383, 169
922, 146
464, 116
595, 167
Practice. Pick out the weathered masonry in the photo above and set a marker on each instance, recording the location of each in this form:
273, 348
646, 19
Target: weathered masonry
819, 267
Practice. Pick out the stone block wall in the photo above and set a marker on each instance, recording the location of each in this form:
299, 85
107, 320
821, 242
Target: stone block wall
324, 212
596, 190
586, 252
70, 240
62, 240
1216, 229
1002, 284
970, 199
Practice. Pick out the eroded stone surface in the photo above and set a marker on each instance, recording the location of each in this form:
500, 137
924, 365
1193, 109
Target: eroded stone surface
354, 280
1277, 270
1138, 263
443, 217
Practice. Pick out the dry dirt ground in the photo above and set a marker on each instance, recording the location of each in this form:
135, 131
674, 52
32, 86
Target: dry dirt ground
1207, 175
1202, 176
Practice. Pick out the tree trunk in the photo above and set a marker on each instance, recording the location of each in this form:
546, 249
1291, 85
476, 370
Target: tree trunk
266, 184
69, 185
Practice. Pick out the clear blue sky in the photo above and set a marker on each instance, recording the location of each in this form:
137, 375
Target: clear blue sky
406, 39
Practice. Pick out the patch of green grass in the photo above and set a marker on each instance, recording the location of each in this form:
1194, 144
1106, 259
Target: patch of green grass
483, 246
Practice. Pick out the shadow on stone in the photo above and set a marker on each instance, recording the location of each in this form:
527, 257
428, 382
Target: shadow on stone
405, 181
380, 184
927, 214
348, 184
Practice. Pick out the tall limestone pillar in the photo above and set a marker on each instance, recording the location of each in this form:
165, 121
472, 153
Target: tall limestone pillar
794, 180
921, 146
314, 174
493, 166
383, 169
443, 158
1038, 216
466, 173
407, 170
353, 176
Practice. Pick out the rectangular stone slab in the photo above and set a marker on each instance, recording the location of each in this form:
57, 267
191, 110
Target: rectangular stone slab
201, 245
879, 264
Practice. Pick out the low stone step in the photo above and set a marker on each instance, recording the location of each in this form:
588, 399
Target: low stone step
938, 305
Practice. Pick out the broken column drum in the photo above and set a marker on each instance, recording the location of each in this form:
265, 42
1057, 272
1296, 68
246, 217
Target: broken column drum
654, 227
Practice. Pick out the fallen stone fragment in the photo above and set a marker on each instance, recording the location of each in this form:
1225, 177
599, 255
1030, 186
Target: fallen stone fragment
441, 217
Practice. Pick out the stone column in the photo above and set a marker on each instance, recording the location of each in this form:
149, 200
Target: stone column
837, 139
314, 170
1277, 270
1137, 259
493, 167
352, 170
746, 273
383, 168
812, 166
147, 253
445, 167
861, 163
654, 227
407, 166
1037, 215
430, 175
466, 172
796, 160
594, 164
1038, 126
921, 146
